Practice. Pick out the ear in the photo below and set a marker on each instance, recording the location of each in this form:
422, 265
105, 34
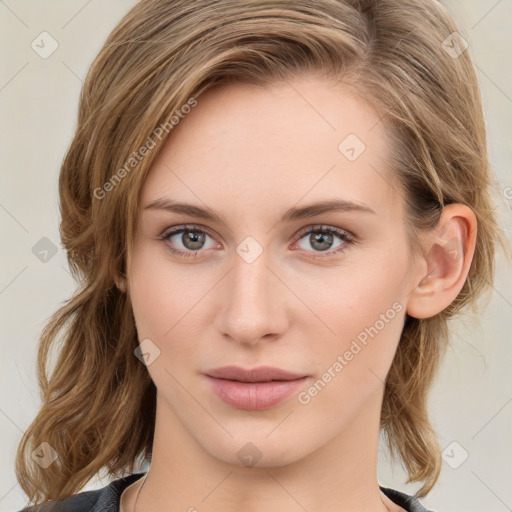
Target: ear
120, 281
450, 249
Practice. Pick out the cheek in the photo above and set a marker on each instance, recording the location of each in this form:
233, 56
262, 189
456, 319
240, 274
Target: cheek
361, 313
161, 304
147, 298
168, 308
160, 299
353, 367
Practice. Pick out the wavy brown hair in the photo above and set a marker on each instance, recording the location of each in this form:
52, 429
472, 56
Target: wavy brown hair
98, 401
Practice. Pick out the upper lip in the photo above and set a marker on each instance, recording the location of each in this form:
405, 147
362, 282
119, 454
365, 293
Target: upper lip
259, 374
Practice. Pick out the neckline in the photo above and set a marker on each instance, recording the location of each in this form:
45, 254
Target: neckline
397, 497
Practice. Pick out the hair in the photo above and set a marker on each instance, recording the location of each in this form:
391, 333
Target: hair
99, 402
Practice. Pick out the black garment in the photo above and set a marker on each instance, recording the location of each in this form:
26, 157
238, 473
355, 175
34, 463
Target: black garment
107, 499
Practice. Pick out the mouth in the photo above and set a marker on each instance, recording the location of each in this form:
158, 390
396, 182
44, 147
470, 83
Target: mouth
254, 389
259, 374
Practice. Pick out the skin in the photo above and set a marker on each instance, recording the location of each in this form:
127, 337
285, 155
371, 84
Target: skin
249, 154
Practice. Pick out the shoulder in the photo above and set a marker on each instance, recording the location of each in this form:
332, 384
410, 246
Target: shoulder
409, 503
105, 499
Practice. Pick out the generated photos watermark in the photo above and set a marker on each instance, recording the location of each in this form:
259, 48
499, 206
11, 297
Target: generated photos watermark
138, 156
357, 345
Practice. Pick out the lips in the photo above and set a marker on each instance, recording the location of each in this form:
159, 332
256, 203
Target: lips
253, 389
260, 374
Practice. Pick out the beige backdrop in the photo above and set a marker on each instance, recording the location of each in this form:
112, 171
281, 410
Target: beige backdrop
40, 80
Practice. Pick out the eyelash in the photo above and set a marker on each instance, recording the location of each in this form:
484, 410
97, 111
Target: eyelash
343, 235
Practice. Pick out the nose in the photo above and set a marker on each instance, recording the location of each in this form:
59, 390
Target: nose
253, 302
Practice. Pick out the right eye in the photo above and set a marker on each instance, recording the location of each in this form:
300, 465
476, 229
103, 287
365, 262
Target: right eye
192, 240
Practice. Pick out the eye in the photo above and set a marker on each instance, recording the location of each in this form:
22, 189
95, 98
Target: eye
321, 238
192, 239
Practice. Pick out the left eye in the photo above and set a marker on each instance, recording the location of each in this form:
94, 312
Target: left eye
321, 238
193, 239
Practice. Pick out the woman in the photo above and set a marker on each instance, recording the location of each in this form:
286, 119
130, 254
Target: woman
273, 209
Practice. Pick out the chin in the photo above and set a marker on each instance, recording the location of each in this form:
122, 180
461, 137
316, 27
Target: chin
252, 448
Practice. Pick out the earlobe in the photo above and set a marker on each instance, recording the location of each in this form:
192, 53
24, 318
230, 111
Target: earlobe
120, 282
121, 285
450, 250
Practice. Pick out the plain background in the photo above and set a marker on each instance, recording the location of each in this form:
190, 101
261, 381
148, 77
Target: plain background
471, 402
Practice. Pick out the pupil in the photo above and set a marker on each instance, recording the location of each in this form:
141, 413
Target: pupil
327, 239
196, 240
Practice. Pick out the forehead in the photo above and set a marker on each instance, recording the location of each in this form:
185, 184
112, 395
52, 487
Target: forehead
245, 148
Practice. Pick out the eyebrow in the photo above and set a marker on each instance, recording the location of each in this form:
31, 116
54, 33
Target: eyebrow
292, 214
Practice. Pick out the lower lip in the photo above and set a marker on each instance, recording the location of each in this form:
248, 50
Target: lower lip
254, 396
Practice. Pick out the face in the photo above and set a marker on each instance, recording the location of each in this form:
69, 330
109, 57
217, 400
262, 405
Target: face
265, 281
